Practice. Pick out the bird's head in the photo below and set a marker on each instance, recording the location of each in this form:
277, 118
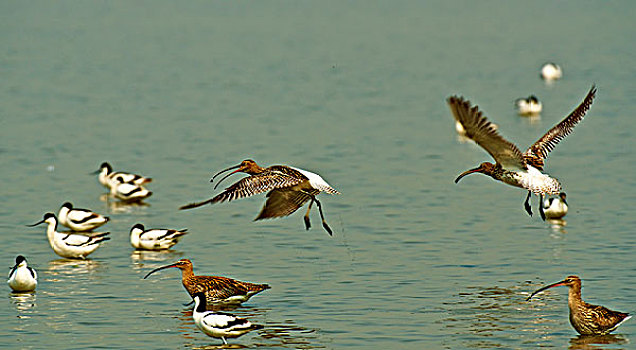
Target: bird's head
484, 168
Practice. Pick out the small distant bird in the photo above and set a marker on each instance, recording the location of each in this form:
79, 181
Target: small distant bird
551, 71
154, 239
555, 208
70, 245
289, 189
530, 106
22, 278
78, 219
513, 167
218, 290
128, 192
107, 176
217, 324
587, 319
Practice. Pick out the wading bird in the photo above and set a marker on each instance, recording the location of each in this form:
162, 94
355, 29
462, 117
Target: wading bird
156, 238
555, 208
70, 245
587, 319
78, 219
551, 71
107, 176
530, 106
513, 167
219, 325
22, 278
218, 290
289, 189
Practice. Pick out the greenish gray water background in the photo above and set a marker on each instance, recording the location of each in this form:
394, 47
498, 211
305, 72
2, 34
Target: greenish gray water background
354, 91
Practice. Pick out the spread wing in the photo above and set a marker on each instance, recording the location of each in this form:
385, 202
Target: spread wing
480, 130
251, 185
283, 202
538, 152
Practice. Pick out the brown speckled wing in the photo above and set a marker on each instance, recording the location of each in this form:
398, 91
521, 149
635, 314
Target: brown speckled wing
480, 130
538, 152
255, 184
219, 288
283, 202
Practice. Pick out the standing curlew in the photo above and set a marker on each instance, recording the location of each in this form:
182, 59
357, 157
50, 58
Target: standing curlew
587, 319
289, 189
218, 290
513, 167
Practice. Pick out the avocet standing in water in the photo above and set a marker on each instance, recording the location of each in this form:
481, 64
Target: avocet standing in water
127, 191
551, 72
289, 189
78, 219
530, 106
556, 207
107, 176
70, 245
22, 278
219, 325
154, 239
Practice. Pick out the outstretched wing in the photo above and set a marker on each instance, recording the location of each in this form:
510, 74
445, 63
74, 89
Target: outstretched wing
251, 185
538, 152
480, 130
283, 202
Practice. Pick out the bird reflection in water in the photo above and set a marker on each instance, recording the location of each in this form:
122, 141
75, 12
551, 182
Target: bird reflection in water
557, 225
140, 256
23, 302
70, 267
591, 342
119, 207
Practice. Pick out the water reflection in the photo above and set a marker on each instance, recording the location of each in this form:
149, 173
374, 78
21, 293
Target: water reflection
590, 342
140, 256
70, 267
119, 207
23, 302
557, 226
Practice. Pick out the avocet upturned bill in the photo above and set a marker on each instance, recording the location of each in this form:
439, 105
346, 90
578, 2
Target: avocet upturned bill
219, 325
556, 207
289, 189
70, 245
22, 278
154, 239
551, 71
128, 192
513, 167
80, 220
587, 319
218, 290
530, 106
107, 176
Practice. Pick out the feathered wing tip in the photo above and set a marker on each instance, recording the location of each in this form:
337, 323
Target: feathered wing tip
282, 203
540, 149
196, 204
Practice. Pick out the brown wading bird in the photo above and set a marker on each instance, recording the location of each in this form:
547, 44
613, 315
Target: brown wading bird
289, 189
513, 167
586, 318
218, 290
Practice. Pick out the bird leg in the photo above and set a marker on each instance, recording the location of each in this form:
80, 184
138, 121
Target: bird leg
224, 341
322, 216
307, 223
541, 207
526, 204
188, 304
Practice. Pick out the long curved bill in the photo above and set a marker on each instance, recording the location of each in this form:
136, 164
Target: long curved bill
159, 268
226, 176
558, 284
37, 223
467, 172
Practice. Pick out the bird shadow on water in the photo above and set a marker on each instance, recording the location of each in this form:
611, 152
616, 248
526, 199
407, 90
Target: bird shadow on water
71, 267
598, 342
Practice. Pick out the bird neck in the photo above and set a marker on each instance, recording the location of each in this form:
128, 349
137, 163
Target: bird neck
199, 304
574, 296
187, 273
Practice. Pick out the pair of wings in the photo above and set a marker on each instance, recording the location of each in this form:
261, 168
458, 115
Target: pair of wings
482, 131
281, 199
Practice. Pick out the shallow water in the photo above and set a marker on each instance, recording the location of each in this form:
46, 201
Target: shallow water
355, 92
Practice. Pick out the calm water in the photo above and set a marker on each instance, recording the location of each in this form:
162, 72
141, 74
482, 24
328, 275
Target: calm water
355, 91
